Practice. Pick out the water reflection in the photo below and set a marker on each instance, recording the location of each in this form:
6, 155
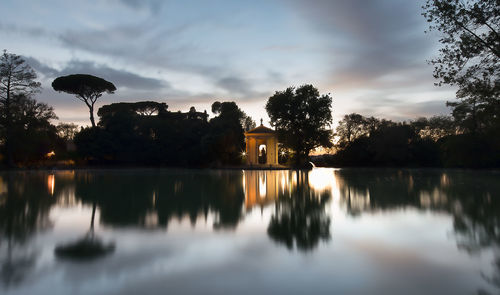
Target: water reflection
89, 247
262, 187
299, 197
471, 198
300, 219
151, 199
24, 210
51, 182
294, 208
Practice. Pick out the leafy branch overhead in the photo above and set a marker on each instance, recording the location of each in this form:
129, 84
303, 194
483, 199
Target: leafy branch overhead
469, 57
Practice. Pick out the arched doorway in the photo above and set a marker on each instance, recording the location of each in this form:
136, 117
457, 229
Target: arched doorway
262, 154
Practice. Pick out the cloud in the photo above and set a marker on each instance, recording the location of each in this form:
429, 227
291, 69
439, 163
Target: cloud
41, 67
402, 110
148, 44
367, 38
121, 78
23, 29
235, 85
153, 5
371, 54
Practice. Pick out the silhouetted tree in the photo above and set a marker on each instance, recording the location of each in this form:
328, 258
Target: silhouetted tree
302, 118
17, 82
248, 123
225, 140
34, 136
351, 127
147, 133
86, 88
373, 142
469, 58
67, 131
435, 127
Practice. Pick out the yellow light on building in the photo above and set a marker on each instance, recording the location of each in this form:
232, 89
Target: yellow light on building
50, 154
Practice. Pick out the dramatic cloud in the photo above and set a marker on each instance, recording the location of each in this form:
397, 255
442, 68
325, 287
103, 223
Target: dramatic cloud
370, 54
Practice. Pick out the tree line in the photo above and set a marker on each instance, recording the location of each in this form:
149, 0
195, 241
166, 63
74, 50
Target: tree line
148, 133
439, 141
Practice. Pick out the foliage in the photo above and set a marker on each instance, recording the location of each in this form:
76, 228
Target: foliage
146, 133
86, 88
424, 142
67, 131
470, 151
226, 139
248, 123
17, 84
469, 57
354, 126
302, 118
34, 136
435, 127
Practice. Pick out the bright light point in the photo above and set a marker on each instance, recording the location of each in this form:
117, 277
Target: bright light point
321, 179
50, 154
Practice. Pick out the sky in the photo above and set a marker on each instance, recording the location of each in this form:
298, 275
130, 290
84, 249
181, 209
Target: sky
369, 55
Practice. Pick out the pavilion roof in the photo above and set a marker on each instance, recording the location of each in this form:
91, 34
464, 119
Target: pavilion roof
261, 129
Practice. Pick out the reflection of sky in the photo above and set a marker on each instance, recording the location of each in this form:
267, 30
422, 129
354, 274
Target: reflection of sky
371, 55
383, 252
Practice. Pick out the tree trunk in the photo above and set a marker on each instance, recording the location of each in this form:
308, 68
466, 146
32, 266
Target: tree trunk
8, 128
94, 205
91, 110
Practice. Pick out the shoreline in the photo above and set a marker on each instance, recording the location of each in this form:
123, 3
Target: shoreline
249, 168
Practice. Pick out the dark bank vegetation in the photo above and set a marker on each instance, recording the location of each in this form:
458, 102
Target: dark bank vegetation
146, 133
438, 141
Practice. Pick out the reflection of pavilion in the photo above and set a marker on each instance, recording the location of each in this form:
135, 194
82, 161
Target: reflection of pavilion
264, 186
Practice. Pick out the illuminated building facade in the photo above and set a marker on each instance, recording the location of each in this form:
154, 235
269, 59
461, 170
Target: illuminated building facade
261, 146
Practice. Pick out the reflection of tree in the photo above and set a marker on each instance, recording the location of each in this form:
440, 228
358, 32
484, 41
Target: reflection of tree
88, 247
24, 207
198, 194
153, 198
123, 198
470, 197
372, 190
300, 218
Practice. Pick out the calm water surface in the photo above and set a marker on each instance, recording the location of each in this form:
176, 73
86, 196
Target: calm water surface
323, 231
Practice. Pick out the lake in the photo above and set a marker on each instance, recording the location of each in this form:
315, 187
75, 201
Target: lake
324, 231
